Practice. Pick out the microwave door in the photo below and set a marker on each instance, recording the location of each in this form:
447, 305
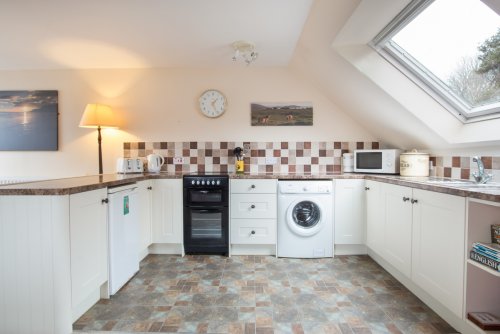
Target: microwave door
369, 160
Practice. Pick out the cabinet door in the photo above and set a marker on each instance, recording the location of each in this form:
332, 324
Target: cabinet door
438, 246
375, 216
145, 198
397, 227
89, 248
350, 211
167, 211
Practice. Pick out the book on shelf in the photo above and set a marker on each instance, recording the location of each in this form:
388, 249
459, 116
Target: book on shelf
487, 254
484, 320
492, 250
478, 257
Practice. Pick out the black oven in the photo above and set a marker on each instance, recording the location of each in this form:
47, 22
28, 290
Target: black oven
206, 214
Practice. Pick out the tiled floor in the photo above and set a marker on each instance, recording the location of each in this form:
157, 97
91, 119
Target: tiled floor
262, 294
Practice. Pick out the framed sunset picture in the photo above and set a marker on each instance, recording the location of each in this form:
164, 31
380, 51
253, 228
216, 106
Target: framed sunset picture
29, 120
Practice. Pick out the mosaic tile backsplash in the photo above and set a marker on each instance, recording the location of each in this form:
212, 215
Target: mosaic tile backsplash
291, 157
460, 167
260, 157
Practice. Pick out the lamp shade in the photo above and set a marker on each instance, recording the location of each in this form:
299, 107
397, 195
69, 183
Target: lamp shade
98, 115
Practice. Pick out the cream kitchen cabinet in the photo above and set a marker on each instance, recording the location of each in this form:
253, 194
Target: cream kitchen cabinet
167, 211
88, 248
396, 247
350, 222
389, 223
253, 211
35, 283
375, 216
438, 246
145, 190
421, 235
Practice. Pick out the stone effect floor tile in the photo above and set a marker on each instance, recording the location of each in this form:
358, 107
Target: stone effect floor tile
261, 294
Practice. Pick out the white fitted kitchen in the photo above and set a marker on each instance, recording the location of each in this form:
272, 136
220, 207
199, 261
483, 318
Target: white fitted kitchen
266, 166
422, 241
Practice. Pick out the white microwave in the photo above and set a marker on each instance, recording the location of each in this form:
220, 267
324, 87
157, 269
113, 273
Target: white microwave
377, 161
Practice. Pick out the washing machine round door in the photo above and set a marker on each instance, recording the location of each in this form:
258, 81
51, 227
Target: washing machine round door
304, 217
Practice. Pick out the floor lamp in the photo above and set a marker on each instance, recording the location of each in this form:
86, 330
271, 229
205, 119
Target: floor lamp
98, 116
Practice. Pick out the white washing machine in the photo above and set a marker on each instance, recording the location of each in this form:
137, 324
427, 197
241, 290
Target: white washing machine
305, 219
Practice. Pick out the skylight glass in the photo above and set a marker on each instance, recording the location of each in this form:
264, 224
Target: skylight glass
454, 47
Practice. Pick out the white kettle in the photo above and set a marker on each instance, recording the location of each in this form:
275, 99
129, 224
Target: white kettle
155, 161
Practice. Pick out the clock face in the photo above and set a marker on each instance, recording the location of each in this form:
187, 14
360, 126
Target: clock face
212, 103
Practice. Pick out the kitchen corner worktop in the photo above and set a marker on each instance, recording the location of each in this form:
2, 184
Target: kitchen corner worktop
74, 185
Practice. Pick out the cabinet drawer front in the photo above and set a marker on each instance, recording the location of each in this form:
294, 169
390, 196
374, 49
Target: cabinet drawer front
253, 206
264, 231
253, 186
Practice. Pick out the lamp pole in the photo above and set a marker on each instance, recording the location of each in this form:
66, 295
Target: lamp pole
99, 140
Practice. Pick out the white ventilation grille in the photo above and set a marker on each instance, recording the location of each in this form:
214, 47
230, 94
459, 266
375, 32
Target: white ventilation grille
4, 181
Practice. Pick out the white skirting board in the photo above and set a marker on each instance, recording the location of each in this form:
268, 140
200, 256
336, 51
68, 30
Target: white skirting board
174, 249
350, 250
253, 249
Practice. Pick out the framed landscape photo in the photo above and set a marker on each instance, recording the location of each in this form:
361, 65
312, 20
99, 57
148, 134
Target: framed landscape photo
282, 114
29, 120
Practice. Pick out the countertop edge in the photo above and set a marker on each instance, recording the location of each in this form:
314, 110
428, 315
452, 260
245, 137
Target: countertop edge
95, 182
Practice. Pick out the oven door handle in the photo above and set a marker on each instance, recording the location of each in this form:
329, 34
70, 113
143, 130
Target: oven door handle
207, 210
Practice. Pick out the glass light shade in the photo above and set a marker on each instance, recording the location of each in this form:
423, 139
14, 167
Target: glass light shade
98, 115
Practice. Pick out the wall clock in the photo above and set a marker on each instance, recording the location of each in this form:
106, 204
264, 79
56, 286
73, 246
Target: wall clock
212, 103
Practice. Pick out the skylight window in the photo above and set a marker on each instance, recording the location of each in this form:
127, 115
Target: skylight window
451, 49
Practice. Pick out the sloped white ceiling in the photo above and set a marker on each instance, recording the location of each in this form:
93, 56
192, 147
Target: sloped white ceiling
60, 34
333, 54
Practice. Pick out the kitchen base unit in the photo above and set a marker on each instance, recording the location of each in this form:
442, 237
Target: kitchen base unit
35, 243
54, 260
89, 249
350, 213
253, 217
167, 217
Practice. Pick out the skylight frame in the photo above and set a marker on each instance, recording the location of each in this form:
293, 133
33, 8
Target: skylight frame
420, 75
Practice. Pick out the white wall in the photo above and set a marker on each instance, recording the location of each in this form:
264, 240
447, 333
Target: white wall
161, 105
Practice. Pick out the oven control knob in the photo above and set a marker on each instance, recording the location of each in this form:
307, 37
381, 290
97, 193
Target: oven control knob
202, 182
198, 182
213, 182
193, 182
218, 182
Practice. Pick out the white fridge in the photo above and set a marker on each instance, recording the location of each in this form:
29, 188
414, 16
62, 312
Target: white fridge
123, 225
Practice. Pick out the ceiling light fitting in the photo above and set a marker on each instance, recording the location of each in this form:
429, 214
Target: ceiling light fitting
244, 50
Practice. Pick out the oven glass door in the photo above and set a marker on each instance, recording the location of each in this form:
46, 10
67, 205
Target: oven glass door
206, 226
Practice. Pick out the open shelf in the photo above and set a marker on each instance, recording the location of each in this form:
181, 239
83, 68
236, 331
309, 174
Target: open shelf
479, 329
483, 267
482, 292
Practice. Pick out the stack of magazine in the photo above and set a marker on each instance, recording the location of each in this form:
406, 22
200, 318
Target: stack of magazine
487, 254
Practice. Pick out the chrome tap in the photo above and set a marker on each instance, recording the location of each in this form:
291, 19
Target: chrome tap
480, 176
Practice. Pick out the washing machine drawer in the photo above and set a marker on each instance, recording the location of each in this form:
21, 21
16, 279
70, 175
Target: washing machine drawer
253, 231
253, 206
